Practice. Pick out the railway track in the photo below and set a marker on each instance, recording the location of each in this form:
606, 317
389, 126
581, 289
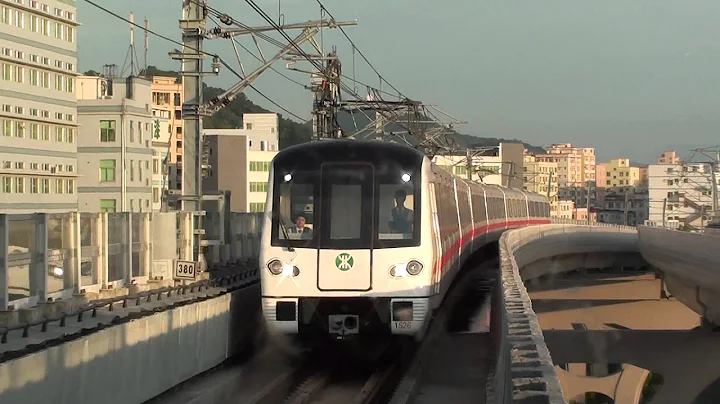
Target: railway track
329, 377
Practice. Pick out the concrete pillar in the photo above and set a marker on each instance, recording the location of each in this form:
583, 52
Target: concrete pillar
38, 260
71, 264
127, 241
146, 241
103, 244
186, 235
232, 241
4, 270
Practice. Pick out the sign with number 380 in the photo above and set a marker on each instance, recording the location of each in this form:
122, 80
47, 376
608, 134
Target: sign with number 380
185, 270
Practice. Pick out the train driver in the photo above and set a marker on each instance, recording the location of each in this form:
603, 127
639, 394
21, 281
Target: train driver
300, 229
401, 218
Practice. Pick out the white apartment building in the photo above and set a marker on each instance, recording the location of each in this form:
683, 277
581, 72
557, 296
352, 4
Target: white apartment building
240, 159
486, 169
502, 165
115, 147
161, 139
38, 150
681, 192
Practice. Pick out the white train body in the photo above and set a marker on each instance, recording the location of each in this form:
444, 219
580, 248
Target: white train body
365, 270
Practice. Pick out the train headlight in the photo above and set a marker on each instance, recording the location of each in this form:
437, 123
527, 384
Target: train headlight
414, 267
275, 267
401, 270
290, 270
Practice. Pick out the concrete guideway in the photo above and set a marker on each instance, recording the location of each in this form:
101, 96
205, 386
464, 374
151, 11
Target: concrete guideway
690, 263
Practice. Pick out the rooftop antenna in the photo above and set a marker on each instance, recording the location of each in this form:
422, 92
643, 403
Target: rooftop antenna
147, 43
131, 51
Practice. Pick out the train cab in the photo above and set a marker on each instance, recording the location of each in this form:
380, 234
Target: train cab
342, 243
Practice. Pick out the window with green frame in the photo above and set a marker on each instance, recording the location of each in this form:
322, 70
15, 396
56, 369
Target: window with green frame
259, 166
107, 131
257, 207
258, 187
107, 205
107, 170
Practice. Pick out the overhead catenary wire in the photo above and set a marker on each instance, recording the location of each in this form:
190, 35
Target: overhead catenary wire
225, 64
322, 6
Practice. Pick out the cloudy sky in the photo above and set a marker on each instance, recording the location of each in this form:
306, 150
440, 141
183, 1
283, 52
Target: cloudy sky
630, 78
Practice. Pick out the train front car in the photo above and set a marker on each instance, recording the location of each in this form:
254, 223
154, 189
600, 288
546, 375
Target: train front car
339, 257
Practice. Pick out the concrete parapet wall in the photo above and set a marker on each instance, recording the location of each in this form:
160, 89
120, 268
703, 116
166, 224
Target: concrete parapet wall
524, 370
138, 359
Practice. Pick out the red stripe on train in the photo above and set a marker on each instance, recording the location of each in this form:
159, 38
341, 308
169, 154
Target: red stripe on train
451, 252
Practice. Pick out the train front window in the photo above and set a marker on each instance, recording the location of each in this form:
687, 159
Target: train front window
346, 206
294, 209
398, 207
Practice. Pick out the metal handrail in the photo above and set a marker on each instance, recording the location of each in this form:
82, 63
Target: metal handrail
98, 304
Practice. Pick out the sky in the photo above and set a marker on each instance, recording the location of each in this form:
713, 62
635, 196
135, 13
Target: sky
630, 78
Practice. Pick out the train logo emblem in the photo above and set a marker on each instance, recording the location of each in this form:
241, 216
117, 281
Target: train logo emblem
344, 261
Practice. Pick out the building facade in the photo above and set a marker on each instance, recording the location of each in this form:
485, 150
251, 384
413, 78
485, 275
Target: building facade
541, 177
501, 165
239, 161
161, 139
681, 192
167, 99
626, 207
575, 172
668, 157
38, 110
114, 144
619, 174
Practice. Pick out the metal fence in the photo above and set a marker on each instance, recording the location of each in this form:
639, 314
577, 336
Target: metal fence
55, 256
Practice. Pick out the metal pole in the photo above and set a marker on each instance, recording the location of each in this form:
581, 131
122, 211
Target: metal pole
626, 207
469, 165
713, 177
192, 25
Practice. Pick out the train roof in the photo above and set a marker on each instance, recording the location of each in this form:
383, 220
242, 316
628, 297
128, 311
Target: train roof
341, 148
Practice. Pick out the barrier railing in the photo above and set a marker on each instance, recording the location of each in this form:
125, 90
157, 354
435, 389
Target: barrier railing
556, 220
50, 257
249, 273
521, 350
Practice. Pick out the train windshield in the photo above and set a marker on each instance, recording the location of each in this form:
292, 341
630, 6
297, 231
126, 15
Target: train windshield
346, 206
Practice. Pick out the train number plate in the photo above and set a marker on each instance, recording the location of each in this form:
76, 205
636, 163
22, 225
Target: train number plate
403, 325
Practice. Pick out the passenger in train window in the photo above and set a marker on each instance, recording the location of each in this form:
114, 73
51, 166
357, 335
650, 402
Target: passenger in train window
299, 230
401, 218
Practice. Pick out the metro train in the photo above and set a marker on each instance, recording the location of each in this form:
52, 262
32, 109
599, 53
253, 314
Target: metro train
364, 237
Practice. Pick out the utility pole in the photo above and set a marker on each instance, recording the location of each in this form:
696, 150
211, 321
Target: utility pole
663, 213
194, 30
193, 26
714, 188
587, 202
469, 164
627, 196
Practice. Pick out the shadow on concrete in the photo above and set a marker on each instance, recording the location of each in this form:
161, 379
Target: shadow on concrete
578, 279
553, 305
136, 359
